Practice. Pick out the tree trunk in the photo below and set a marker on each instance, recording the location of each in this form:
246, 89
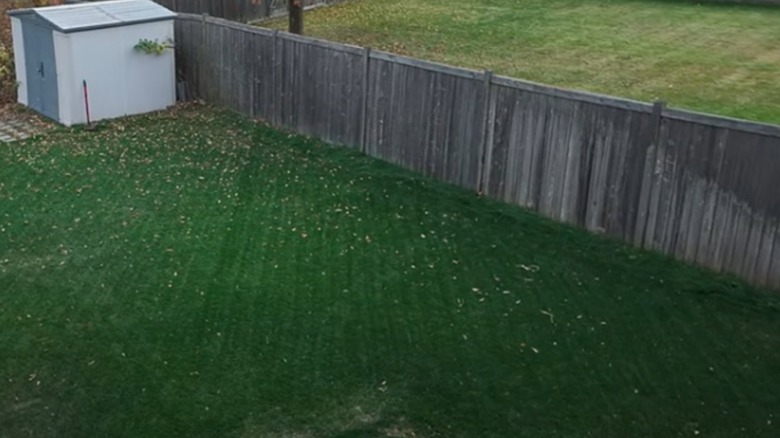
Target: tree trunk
295, 8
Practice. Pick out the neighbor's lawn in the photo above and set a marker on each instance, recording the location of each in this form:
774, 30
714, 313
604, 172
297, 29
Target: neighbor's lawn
195, 274
711, 58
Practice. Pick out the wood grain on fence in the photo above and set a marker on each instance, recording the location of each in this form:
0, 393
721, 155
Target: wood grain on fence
698, 187
320, 90
236, 10
425, 120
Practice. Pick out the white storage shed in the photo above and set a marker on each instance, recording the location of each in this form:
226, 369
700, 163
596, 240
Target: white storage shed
60, 48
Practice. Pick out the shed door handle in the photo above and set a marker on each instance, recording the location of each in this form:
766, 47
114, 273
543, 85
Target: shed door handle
41, 71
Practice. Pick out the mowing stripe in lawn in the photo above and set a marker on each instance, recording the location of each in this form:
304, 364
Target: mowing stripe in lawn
194, 273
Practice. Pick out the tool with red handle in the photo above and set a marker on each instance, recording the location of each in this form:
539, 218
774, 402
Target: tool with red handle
86, 104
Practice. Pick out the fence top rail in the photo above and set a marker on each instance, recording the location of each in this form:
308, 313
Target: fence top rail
765, 129
348, 48
183, 16
582, 96
269, 33
633, 105
427, 65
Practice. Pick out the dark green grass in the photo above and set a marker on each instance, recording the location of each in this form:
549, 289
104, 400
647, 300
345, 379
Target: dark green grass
195, 274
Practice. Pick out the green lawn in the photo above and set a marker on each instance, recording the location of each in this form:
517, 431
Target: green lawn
712, 58
192, 273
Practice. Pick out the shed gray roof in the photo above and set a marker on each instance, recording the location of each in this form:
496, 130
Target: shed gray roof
98, 15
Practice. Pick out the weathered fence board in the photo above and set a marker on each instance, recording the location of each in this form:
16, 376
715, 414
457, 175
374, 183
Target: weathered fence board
572, 160
236, 10
239, 10
262, 59
320, 91
701, 188
773, 279
425, 120
764, 259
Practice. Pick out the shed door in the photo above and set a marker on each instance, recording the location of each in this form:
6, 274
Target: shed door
41, 70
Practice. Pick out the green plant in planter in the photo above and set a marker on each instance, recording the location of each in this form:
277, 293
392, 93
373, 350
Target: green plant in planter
152, 47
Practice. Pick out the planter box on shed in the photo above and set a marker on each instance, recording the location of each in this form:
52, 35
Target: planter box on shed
58, 48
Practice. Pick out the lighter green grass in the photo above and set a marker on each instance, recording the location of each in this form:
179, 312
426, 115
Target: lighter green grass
710, 58
195, 274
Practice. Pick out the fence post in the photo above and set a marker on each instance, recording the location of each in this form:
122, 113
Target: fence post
203, 62
276, 91
250, 70
364, 109
643, 210
658, 112
485, 146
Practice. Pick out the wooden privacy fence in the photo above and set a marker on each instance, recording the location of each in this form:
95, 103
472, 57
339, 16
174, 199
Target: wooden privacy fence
701, 188
237, 10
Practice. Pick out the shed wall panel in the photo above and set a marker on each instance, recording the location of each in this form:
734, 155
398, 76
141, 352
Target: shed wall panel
98, 58
150, 79
64, 63
121, 80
